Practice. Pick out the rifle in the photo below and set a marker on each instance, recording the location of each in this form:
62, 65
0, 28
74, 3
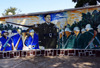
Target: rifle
28, 26
20, 24
17, 43
6, 44
95, 33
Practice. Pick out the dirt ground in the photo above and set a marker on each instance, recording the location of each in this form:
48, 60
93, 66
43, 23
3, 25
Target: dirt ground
51, 62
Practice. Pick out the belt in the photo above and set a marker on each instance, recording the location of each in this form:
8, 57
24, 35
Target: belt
50, 35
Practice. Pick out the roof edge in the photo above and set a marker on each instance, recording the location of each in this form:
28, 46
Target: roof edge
48, 12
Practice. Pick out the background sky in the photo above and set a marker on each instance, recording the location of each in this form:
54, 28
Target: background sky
31, 6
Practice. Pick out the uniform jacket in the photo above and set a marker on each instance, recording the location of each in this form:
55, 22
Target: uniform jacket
96, 41
48, 35
3, 41
15, 39
69, 42
32, 41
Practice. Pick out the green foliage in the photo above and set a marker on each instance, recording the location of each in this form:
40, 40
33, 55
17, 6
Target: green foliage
81, 3
8, 27
88, 18
11, 9
1, 27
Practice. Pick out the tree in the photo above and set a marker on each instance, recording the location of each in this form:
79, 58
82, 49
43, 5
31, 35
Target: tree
11, 10
88, 18
82, 3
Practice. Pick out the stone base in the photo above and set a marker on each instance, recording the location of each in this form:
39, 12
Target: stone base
50, 52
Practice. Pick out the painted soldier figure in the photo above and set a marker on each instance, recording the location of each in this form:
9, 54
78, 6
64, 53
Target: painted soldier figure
61, 38
31, 41
6, 42
97, 38
76, 35
68, 39
48, 33
17, 40
82, 44
90, 35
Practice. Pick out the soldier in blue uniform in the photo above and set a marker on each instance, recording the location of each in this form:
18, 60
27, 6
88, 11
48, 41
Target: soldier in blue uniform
17, 40
6, 42
32, 40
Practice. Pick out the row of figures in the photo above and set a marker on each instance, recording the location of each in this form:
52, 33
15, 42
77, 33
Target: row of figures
18, 40
86, 38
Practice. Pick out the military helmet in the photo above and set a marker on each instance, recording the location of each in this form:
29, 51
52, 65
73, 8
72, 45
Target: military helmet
83, 29
98, 26
88, 26
67, 29
4, 31
31, 30
76, 29
9, 31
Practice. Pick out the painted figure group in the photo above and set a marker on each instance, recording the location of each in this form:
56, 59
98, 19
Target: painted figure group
86, 38
18, 40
